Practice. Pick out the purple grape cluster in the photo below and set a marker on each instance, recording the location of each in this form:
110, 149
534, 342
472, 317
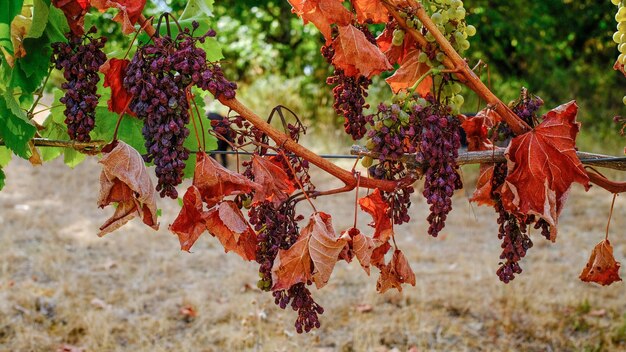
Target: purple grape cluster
277, 228
512, 231
440, 141
159, 77
526, 108
80, 59
302, 302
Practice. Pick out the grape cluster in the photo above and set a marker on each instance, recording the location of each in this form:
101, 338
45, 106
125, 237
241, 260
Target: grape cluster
350, 93
512, 232
620, 35
302, 302
277, 228
159, 77
440, 141
526, 107
80, 59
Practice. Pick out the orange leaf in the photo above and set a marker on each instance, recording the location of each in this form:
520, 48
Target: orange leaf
216, 182
125, 180
602, 267
74, 11
322, 13
542, 165
477, 130
129, 11
482, 194
191, 221
114, 71
370, 11
356, 55
379, 210
362, 246
226, 222
312, 257
396, 273
408, 74
378, 255
274, 181
324, 248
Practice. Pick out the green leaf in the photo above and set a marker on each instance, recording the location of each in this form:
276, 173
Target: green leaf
40, 19
197, 9
16, 130
5, 156
54, 128
72, 158
2, 177
57, 25
29, 71
9, 9
129, 131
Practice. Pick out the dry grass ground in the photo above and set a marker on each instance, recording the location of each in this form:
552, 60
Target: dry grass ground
60, 284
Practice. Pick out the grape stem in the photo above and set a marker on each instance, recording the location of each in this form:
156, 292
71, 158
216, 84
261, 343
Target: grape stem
610, 216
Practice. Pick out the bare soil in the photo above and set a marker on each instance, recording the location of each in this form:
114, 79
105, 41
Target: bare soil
62, 286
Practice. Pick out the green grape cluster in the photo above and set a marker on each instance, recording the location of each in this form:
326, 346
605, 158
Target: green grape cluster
620, 36
449, 16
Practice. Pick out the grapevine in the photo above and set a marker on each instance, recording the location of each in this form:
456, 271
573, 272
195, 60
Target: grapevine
529, 161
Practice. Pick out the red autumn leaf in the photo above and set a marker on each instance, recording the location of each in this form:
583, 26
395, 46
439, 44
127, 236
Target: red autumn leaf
379, 210
129, 11
370, 11
322, 13
482, 194
619, 67
542, 165
274, 181
362, 246
356, 55
602, 267
396, 273
395, 54
114, 71
408, 74
191, 221
477, 130
378, 255
74, 11
125, 180
312, 257
216, 182
226, 222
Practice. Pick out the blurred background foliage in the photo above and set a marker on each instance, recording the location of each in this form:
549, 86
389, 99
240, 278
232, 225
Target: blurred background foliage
559, 49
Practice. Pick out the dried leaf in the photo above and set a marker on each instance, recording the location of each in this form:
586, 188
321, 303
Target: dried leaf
356, 55
408, 74
378, 255
484, 186
19, 29
324, 248
477, 130
396, 273
379, 210
542, 165
362, 246
370, 11
274, 181
114, 71
216, 182
312, 257
125, 180
129, 11
601, 267
322, 13
74, 11
191, 220
226, 222
293, 265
